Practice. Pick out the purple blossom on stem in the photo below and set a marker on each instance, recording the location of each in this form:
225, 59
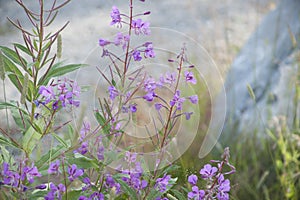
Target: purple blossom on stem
207, 172
196, 194
158, 106
83, 149
188, 115
121, 39
113, 92
111, 183
149, 53
55, 192
177, 100
115, 16
192, 179
149, 96
194, 99
149, 85
74, 172
140, 27
163, 183
137, 55
47, 92
224, 188
189, 77
29, 173
9, 177
170, 78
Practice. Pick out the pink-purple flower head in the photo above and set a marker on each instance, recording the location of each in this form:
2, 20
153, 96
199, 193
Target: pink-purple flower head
103, 42
115, 16
189, 77
113, 92
207, 172
140, 27
53, 168
56, 192
47, 92
224, 188
163, 183
74, 173
194, 99
137, 55
192, 179
177, 100
30, 173
196, 194
149, 52
121, 39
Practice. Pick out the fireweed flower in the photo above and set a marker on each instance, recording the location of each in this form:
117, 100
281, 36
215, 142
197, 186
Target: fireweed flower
189, 77
207, 172
55, 192
83, 149
111, 183
137, 55
113, 92
194, 99
140, 27
9, 177
196, 193
192, 179
188, 115
149, 96
134, 177
74, 172
158, 106
149, 85
177, 100
115, 16
29, 173
53, 168
163, 183
224, 188
47, 92
149, 53
121, 39
103, 42
170, 78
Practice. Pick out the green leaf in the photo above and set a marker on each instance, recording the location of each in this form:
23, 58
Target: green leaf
22, 48
178, 194
12, 55
6, 156
47, 158
6, 142
74, 194
82, 162
127, 189
60, 140
30, 139
21, 121
56, 71
153, 194
102, 121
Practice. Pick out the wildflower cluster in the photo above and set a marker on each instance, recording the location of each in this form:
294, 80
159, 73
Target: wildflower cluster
217, 187
57, 95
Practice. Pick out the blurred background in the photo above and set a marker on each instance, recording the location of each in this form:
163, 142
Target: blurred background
255, 46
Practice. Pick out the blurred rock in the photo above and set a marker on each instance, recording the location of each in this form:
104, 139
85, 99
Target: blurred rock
267, 62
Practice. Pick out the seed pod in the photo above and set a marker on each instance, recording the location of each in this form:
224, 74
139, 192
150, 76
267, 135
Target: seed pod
251, 92
59, 46
2, 67
24, 89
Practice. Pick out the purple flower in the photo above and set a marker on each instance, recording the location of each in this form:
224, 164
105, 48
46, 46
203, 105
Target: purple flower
140, 27
137, 55
161, 198
163, 183
85, 129
196, 193
103, 42
47, 92
30, 173
115, 16
149, 53
158, 106
188, 115
96, 196
133, 108
149, 96
83, 198
74, 172
100, 153
224, 188
83, 149
41, 187
111, 183
177, 100
149, 85
170, 78
192, 179
194, 99
113, 92
189, 77
9, 177
121, 39
53, 168
55, 192
208, 171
